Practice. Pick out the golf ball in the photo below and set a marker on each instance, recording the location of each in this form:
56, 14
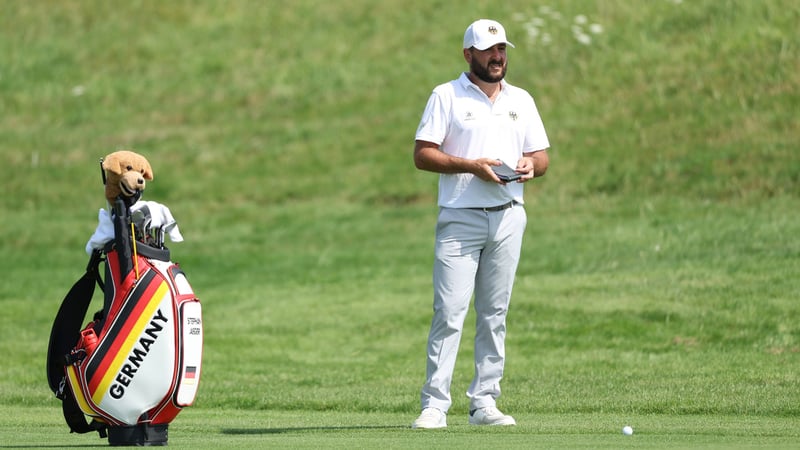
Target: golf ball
627, 430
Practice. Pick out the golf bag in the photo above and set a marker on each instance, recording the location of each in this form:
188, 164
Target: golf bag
137, 363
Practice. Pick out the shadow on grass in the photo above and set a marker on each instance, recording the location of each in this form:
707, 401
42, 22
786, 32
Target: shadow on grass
245, 431
104, 445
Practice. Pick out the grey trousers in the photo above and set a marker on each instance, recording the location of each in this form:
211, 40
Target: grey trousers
476, 252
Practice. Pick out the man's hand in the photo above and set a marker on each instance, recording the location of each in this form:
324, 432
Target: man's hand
483, 170
525, 166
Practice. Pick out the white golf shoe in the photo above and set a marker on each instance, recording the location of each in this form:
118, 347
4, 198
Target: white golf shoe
490, 416
430, 418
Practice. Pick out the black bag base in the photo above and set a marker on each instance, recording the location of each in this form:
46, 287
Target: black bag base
142, 435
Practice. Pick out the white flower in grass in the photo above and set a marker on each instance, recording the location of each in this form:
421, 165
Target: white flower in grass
583, 38
537, 22
536, 27
79, 90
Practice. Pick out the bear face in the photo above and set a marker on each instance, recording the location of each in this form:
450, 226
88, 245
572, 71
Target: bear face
126, 175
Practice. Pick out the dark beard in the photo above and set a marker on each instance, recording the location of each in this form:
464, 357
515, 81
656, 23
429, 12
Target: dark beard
483, 72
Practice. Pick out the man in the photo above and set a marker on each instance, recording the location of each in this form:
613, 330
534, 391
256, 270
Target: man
472, 127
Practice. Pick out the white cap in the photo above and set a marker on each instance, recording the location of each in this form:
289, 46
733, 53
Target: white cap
485, 33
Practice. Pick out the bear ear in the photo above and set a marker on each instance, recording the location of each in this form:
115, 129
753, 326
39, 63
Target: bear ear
147, 171
111, 163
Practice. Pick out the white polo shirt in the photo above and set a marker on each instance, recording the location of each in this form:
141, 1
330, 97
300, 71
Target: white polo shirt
465, 123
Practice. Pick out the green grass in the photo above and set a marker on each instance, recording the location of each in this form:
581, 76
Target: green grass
659, 279
196, 428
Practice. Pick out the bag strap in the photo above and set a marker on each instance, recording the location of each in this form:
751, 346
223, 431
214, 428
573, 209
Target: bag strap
76, 419
66, 331
64, 335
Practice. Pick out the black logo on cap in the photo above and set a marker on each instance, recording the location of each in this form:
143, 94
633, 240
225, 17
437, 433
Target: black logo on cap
492, 30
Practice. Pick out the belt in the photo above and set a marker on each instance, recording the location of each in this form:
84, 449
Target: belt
497, 208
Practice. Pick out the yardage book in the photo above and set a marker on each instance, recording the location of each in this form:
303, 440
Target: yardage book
506, 172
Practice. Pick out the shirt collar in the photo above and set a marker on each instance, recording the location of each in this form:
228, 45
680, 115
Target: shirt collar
466, 83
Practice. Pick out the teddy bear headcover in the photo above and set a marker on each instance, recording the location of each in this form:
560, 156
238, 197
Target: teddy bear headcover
126, 173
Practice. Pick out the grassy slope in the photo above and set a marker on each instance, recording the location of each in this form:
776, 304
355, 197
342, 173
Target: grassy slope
661, 261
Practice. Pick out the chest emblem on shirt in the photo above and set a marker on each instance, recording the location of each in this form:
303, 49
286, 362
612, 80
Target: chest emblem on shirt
469, 116
512, 115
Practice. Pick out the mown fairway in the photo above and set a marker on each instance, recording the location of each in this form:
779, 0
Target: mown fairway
660, 276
